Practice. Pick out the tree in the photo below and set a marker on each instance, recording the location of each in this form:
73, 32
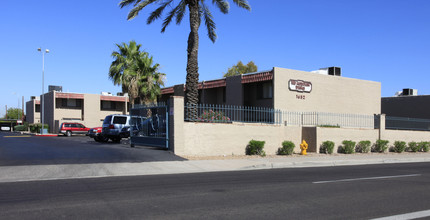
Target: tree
197, 10
14, 113
240, 69
122, 71
136, 72
150, 81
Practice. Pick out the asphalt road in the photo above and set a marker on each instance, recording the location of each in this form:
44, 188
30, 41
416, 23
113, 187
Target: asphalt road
16, 149
350, 192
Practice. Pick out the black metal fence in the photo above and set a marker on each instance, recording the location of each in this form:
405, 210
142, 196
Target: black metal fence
227, 114
400, 123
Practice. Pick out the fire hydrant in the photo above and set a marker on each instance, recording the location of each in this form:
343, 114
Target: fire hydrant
303, 147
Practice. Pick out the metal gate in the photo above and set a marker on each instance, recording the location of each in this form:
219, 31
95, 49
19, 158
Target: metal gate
149, 125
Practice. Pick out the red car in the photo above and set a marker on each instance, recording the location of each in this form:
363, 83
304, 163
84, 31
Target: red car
96, 133
69, 128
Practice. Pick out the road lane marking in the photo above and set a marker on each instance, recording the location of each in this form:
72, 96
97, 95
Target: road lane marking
412, 215
367, 178
17, 136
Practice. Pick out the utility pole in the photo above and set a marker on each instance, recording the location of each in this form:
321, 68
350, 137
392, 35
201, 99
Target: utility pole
5, 117
22, 115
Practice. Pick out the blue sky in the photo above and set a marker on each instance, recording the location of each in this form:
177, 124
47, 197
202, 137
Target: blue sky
379, 40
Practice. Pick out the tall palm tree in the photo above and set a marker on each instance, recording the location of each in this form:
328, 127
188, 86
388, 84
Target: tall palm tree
123, 72
197, 9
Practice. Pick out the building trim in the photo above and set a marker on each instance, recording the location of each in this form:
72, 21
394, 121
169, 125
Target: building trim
69, 95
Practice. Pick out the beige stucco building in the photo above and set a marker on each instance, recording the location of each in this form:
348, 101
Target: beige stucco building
32, 109
88, 109
290, 90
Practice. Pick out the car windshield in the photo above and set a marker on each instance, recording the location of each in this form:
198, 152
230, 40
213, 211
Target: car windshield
107, 120
119, 120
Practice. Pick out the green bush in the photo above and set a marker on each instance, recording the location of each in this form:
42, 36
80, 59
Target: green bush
35, 128
287, 148
327, 147
20, 128
255, 148
348, 147
413, 146
399, 146
364, 146
424, 146
381, 146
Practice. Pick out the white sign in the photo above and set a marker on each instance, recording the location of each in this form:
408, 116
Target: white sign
300, 85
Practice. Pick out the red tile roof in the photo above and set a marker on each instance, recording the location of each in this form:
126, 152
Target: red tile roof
258, 77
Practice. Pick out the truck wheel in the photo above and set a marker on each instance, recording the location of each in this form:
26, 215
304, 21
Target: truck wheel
103, 139
68, 133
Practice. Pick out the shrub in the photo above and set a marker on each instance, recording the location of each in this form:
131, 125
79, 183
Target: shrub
255, 148
287, 148
413, 146
213, 116
34, 128
364, 146
381, 146
20, 128
327, 147
399, 146
424, 146
348, 147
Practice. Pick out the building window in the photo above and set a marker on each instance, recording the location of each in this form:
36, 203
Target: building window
70, 103
108, 105
265, 90
37, 108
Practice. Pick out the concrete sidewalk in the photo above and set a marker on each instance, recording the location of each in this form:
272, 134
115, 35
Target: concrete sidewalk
70, 171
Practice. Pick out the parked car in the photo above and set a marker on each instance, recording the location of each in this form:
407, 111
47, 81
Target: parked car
96, 133
69, 128
116, 127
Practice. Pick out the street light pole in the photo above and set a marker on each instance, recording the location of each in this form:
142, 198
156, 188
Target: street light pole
43, 89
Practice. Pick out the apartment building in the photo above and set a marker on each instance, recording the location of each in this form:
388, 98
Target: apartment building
88, 109
324, 90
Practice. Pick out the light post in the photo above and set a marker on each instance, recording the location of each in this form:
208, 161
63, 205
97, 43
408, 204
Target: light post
43, 89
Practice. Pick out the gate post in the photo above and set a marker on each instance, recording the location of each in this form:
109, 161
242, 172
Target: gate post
381, 126
176, 124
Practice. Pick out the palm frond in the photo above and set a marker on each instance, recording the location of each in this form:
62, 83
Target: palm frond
124, 3
209, 22
138, 7
182, 6
157, 13
243, 4
223, 5
169, 18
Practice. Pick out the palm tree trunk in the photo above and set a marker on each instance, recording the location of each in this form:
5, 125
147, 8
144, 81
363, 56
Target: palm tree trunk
192, 59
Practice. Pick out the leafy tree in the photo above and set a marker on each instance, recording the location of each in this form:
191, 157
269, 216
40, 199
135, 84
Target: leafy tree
14, 113
240, 68
197, 9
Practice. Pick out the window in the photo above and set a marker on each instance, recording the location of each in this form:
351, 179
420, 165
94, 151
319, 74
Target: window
37, 108
65, 103
265, 90
108, 105
119, 120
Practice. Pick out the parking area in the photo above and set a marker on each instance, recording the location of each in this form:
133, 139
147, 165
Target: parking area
20, 149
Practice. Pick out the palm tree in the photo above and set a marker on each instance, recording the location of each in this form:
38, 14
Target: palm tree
123, 72
197, 9
150, 81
